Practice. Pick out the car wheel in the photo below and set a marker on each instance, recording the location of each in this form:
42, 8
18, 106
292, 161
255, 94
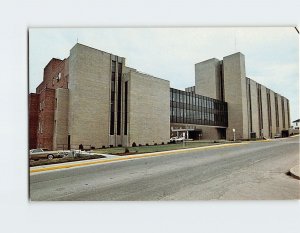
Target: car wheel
50, 156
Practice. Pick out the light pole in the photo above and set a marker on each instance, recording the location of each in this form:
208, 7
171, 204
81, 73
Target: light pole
233, 130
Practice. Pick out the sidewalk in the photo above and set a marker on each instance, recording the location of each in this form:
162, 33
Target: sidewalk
295, 172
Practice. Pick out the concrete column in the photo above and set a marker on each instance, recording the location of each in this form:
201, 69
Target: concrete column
235, 95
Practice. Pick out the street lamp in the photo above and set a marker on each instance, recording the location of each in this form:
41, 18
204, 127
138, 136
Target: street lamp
233, 130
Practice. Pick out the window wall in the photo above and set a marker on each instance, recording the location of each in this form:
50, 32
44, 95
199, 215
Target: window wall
190, 108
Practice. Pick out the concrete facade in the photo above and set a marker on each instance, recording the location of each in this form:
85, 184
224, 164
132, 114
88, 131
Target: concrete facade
287, 112
235, 95
92, 98
87, 103
250, 110
279, 113
89, 85
265, 119
287, 124
273, 113
208, 78
254, 108
149, 109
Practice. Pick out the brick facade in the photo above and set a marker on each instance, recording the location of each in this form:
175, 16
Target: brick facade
33, 108
46, 119
42, 104
56, 75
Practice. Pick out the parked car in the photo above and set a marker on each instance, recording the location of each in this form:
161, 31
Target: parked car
40, 153
176, 139
278, 135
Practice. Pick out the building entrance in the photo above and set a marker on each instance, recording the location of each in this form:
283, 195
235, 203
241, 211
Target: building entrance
195, 135
222, 133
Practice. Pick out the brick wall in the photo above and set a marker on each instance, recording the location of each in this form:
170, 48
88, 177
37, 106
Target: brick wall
46, 119
33, 102
41, 114
56, 75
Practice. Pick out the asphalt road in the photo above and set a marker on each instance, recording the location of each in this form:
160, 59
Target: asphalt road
253, 171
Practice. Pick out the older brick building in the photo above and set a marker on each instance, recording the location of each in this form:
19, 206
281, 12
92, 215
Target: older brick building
42, 104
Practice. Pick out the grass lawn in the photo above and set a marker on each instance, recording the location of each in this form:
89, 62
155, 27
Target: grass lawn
156, 148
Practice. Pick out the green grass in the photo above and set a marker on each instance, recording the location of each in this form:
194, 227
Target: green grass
155, 148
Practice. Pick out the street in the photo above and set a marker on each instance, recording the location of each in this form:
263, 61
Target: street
245, 171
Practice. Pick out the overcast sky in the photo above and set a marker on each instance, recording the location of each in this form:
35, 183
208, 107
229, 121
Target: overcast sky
272, 54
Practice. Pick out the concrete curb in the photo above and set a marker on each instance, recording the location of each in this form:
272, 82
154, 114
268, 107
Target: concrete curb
294, 171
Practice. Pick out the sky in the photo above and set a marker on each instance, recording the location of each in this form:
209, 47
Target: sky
271, 53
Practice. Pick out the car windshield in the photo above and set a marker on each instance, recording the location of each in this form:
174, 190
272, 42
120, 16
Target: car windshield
36, 150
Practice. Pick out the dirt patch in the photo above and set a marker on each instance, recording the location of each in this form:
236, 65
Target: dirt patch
129, 153
63, 160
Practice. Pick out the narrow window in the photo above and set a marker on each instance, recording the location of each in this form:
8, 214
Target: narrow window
283, 112
119, 103
126, 108
112, 99
276, 111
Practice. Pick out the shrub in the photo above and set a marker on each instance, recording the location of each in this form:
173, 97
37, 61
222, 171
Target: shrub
126, 150
155, 144
163, 143
119, 145
111, 146
133, 144
140, 145
103, 147
92, 148
147, 144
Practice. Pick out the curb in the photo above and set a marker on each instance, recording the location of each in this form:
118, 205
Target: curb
136, 156
294, 172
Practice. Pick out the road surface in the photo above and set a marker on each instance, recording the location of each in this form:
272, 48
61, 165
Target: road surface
248, 171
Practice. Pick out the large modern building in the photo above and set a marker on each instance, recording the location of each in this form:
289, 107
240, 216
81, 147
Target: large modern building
93, 98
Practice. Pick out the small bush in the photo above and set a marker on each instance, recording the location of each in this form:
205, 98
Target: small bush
119, 145
140, 145
147, 144
92, 148
163, 143
126, 150
133, 144
155, 144
111, 146
103, 147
